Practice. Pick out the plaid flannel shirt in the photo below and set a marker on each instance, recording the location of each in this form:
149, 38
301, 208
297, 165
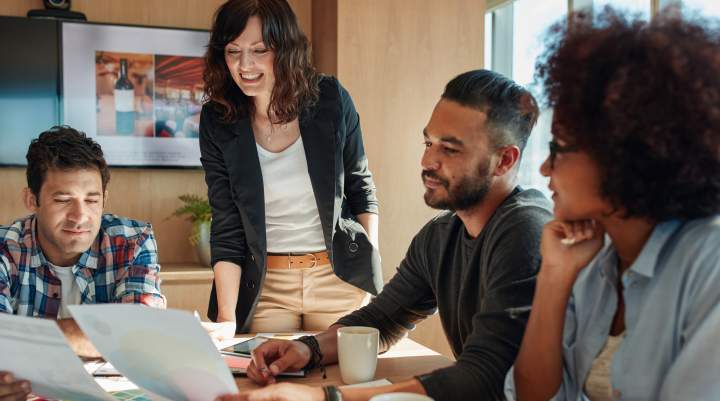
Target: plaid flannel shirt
121, 266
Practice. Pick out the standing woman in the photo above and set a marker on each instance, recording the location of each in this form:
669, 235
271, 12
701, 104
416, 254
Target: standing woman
294, 229
627, 303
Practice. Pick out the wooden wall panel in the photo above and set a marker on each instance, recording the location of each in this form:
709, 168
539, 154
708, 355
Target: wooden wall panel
195, 14
145, 194
325, 39
395, 57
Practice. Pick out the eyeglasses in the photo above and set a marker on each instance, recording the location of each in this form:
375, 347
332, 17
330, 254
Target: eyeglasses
556, 148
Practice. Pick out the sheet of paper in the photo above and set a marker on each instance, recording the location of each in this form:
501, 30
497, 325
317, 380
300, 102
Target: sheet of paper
166, 352
101, 369
36, 350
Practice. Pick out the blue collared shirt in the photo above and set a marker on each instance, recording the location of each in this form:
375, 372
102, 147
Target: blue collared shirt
671, 349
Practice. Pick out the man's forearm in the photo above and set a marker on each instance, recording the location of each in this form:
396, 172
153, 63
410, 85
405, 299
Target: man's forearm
327, 340
78, 342
364, 394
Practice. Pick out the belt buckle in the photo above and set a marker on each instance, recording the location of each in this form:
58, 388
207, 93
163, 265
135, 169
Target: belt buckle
314, 262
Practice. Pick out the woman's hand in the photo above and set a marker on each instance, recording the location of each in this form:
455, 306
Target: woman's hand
12, 389
220, 331
279, 392
275, 356
567, 247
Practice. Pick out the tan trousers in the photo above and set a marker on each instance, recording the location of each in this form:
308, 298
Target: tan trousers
310, 299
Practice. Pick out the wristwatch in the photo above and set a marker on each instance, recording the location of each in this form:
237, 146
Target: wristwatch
332, 393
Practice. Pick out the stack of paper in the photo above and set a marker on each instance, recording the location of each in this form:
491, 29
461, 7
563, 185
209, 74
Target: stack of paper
166, 353
36, 350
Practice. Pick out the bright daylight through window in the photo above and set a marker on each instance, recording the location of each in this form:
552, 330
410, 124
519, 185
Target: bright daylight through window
514, 38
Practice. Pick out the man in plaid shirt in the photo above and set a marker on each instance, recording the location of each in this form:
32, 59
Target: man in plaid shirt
68, 252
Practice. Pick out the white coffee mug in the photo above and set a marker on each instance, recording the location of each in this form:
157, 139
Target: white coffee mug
401, 397
357, 353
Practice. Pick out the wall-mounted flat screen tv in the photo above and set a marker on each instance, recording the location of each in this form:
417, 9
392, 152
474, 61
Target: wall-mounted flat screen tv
136, 90
29, 84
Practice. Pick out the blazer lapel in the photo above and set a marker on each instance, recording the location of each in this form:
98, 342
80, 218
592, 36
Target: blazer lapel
320, 143
243, 164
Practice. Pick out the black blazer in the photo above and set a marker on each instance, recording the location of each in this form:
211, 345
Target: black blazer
340, 178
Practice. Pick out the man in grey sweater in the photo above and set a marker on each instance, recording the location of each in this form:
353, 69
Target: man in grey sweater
475, 263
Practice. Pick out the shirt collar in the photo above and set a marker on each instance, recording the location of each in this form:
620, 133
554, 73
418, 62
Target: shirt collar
647, 261
607, 259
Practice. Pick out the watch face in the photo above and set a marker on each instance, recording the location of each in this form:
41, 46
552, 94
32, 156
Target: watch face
57, 4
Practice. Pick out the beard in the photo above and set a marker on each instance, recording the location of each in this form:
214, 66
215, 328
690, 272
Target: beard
468, 192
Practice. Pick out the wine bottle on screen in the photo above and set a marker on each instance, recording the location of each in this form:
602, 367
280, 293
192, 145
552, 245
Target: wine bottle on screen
124, 101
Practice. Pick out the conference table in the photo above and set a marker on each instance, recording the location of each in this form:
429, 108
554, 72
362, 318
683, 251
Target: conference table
403, 361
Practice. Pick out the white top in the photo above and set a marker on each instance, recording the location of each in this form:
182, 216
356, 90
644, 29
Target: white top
292, 221
69, 288
598, 386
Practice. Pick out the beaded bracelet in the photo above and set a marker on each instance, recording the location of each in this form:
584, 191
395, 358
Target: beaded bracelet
316, 357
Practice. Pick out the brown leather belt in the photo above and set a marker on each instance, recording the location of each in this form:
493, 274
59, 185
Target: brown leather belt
297, 261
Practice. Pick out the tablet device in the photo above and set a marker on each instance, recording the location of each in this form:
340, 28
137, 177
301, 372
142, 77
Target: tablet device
238, 366
244, 348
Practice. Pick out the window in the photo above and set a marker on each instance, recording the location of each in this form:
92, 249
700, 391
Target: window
706, 8
525, 23
636, 6
514, 34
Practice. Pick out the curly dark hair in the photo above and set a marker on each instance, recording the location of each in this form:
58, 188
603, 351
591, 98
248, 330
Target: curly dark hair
63, 148
643, 100
296, 81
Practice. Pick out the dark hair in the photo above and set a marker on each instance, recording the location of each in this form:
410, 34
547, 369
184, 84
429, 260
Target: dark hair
296, 81
63, 148
643, 100
511, 110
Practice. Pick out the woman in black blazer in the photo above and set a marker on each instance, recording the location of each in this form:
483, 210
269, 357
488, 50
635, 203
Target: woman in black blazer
294, 230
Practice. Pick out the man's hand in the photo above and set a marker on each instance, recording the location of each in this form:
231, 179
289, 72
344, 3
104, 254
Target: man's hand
279, 392
12, 389
276, 356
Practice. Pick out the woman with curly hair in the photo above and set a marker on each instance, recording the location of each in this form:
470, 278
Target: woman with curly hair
627, 303
294, 225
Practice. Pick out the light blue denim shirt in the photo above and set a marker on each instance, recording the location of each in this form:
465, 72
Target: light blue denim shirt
671, 349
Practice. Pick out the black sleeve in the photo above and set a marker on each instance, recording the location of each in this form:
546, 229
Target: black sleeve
404, 301
227, 236
359, 185
499, 323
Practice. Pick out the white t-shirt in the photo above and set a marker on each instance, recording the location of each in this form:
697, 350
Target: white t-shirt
69, 288
292, 221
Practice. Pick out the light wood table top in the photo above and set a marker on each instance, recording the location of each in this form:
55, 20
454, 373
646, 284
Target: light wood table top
403, 361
